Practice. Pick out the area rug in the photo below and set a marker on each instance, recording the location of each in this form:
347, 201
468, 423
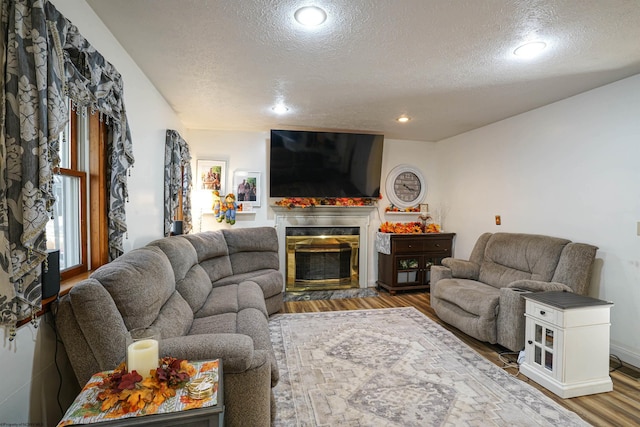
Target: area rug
395, 367
333, 294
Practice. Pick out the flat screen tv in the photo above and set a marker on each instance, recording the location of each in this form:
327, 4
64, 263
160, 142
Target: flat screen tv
325, 164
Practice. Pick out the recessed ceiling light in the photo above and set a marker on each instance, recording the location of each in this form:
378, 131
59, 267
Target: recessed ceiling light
310, 16
280, 109
530, 49
403, 119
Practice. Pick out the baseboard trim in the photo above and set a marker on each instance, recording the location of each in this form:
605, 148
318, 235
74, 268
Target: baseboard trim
627, 356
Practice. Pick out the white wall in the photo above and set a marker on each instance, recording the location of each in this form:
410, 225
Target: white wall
29, 377
570, 170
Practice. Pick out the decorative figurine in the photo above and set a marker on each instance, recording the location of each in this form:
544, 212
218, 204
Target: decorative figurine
217, 206
229, 207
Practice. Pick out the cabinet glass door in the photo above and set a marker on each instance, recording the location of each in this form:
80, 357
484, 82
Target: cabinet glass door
408, 269
543, 346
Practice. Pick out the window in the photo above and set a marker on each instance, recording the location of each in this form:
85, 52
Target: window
78, 228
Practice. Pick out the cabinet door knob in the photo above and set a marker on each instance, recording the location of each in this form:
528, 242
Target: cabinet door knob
437, 245
542, 312
530, 342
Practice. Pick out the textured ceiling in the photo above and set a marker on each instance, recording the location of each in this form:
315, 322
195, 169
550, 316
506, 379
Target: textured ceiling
448, 64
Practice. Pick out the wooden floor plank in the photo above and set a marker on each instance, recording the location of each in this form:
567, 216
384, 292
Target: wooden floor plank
621, 407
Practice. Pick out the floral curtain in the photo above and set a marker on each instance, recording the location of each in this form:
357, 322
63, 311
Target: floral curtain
45, 60
177, 179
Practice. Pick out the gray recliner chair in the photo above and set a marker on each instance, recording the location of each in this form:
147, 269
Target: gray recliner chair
483, 296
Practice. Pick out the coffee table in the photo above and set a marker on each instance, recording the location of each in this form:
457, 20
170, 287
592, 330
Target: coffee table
175, 411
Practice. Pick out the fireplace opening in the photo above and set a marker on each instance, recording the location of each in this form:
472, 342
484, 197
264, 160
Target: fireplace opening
322, 258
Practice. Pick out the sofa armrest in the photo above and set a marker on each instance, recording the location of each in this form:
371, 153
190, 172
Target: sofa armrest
511, 320
539, 286
439, 272
235, 350
462, 269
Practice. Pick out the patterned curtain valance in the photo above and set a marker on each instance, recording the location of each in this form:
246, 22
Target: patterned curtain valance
90, 81
177, 180
44, 60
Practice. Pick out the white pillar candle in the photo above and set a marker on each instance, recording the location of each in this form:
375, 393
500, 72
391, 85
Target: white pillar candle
142, 357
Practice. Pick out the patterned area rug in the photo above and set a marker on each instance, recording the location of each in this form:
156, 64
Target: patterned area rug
395, 367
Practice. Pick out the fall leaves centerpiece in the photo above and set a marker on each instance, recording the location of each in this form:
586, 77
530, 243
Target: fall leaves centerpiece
131, 392
415, 227
304, 202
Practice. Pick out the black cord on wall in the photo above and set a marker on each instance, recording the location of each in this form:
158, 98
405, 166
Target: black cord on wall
54, 311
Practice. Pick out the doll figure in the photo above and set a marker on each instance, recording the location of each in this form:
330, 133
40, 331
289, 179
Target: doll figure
217, 206
230, 208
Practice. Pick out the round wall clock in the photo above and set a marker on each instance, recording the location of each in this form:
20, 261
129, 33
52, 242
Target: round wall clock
406, 186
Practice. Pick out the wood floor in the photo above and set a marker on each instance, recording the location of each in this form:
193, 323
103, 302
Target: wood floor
621, 407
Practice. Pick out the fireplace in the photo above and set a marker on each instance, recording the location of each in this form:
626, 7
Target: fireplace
322, 258
355, 219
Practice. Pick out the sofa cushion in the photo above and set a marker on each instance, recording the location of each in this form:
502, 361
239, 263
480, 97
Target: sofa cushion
213, 254
232, 299
270, 281
574, 268
223, 323
512, 256
252, 249
181, 254
195, 287
140, 282
471, 296
175, 317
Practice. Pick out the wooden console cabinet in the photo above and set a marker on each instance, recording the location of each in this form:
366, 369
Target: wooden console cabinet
408, 266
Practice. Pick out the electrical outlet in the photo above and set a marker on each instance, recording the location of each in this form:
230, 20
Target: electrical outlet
499, 221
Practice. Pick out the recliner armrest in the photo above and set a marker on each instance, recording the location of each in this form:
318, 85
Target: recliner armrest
462, 269
439, 272
236, 350
539, 286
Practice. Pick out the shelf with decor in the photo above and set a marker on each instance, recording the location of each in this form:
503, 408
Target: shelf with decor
237, 213
411, 214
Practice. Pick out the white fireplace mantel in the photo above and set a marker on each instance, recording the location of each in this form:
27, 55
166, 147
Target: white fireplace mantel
324, 216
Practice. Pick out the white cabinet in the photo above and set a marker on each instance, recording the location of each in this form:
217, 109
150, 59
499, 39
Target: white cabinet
567, 343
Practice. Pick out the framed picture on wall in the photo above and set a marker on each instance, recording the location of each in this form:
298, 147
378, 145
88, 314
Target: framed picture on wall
211, 175
246, 187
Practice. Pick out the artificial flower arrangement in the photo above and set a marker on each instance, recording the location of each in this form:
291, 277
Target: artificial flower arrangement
415, 227
134, 393
303, 202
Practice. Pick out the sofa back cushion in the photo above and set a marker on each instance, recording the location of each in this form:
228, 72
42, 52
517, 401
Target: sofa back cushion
213, 254
140, 282
175, 317
192, 282
574, 268
512, 256
252, 249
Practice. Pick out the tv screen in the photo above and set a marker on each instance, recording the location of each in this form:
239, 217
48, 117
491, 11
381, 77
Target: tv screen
325, 164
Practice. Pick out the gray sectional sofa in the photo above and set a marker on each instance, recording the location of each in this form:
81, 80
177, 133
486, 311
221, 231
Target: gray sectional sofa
483, 296
210, 294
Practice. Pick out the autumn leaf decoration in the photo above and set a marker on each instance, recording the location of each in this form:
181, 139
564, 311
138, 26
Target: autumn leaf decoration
409, 227
128, 392
304, 202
